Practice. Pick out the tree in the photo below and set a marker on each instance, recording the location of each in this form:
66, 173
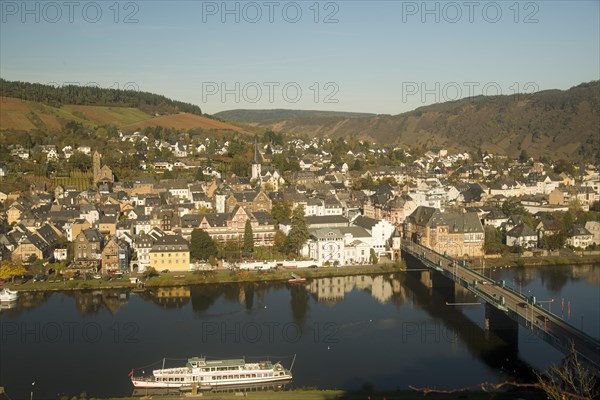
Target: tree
202, 246
281, 210
493, 240
10, 269
523, 157
373, 257
298, 231
248, 238
280, 241
80, 161
570, 380
199, 175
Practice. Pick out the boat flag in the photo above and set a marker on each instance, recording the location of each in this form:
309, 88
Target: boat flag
131, 373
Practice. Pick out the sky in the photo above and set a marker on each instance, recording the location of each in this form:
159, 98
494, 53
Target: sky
384, 57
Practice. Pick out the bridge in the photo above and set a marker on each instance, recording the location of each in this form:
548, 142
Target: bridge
506, 308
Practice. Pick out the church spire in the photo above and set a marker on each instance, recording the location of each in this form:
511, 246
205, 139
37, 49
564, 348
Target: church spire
256, 152
256, 167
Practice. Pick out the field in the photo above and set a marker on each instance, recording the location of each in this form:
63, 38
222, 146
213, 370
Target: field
23, 115
118, 116
184, 121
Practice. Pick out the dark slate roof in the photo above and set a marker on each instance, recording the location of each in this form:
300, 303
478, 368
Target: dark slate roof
191, 220
456, 222
421, 215
326, 219
521, 230
216, 219
170, 243
92, 235
263, 218
365, 222
48, 234
578, 230
245, 196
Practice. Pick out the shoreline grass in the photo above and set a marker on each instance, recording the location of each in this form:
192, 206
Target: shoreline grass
334, 394
186, 278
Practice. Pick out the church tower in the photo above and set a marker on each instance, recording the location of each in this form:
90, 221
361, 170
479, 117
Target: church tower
96, 166
256, 165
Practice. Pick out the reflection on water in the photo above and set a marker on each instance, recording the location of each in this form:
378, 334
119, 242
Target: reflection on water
388, 331
170, 297
333, 290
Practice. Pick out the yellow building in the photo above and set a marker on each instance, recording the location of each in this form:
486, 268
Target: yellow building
170, 252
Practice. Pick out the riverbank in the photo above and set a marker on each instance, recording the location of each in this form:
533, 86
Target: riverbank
276, 275
205, 277
512, 261
305, 394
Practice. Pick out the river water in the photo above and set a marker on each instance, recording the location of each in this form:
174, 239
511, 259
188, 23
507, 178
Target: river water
385, 331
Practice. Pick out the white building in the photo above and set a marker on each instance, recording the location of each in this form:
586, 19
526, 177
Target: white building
579, 237
380, 232
339, 246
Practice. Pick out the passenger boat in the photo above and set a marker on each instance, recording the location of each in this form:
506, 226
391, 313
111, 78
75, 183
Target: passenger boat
296, 279
208, 374
7, 295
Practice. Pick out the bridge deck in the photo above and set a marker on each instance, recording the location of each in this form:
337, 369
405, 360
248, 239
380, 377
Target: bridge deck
541, 322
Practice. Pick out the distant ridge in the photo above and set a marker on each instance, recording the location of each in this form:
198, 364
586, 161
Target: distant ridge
556, 123
262, 116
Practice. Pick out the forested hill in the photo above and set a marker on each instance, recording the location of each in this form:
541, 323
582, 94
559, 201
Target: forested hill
555, 123
89, 95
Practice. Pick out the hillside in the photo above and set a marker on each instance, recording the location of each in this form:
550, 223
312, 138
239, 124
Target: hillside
28, 106
95, 96
24, 115
554, 123
263, 116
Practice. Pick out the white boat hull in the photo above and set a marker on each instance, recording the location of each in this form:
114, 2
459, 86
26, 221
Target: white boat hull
7, 296
151, 384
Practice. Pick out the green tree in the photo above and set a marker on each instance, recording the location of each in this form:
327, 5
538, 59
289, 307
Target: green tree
493, 240
202, 246
298, 231
248, 238
80, 161
523, 157
280, 241
373, 257
199, 175
281, 210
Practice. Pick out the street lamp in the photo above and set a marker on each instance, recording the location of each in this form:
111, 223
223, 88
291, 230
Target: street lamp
32, 385
547, 301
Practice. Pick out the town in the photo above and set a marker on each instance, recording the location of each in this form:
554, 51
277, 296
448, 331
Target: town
161, 200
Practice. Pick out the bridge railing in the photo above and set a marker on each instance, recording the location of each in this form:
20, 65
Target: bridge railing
418, 249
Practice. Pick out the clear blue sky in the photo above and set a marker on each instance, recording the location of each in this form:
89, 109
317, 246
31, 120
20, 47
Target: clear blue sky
372, 56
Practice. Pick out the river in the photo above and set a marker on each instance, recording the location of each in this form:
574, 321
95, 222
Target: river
385, 331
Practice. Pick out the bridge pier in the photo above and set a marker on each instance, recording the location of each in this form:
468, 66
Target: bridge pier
443, 286
503, 326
